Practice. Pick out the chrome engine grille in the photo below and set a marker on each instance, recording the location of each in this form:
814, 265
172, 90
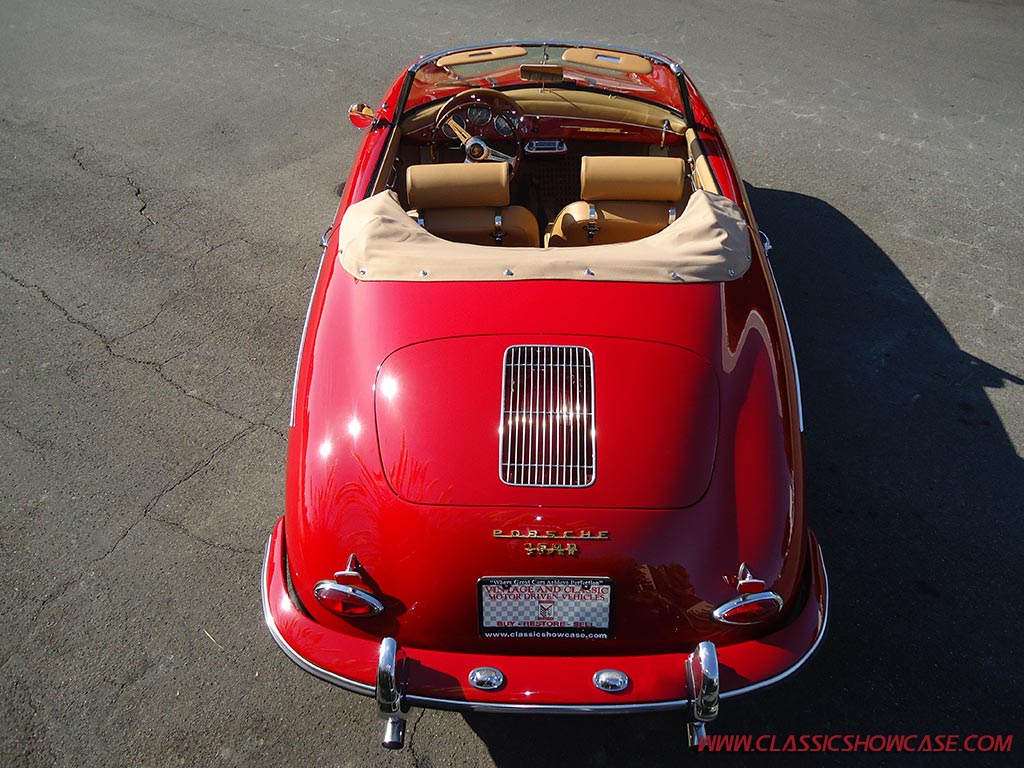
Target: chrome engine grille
547, 430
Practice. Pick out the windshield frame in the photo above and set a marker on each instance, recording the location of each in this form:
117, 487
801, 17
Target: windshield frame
416, 95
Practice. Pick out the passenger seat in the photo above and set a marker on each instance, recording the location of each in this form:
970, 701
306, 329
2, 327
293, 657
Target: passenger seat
624, 198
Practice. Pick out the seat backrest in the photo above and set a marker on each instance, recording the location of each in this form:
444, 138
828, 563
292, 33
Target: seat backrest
457, 185
624, 198
468, 203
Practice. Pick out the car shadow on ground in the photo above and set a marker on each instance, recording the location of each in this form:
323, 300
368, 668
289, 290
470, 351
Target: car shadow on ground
916, 494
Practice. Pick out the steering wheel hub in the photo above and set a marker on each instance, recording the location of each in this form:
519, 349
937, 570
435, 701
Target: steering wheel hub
476, 149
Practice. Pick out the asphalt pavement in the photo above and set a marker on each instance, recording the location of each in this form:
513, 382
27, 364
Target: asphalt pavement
165, 172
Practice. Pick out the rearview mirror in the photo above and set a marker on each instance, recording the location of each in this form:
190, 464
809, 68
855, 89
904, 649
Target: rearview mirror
542, 73
360, 115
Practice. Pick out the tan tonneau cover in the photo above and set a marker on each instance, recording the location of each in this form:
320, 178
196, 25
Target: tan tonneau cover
709, 242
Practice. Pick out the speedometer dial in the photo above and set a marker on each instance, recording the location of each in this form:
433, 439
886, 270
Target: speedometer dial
479, 115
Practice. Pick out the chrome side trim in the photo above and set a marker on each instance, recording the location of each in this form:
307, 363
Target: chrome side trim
792, 350
329, 677
302, 339
803, 659
796, 369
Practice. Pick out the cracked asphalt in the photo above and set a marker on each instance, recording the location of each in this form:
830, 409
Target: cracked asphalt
165, 172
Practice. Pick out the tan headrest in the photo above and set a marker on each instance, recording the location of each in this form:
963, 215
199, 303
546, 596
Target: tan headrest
457, 185
632, 178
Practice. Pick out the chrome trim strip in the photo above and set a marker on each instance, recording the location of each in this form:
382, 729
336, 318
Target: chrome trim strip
342, 682
610, 122
792, 349
302, 339
547, 709
803, 659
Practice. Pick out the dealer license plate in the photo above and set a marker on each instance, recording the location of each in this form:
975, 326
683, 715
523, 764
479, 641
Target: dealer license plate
545, 606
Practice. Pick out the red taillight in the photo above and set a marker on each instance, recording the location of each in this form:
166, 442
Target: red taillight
748, 609
345, 600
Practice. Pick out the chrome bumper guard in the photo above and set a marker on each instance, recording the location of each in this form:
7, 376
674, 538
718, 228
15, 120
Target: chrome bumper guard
702, 678
390, 692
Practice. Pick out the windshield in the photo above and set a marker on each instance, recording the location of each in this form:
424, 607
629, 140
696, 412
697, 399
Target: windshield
498, 66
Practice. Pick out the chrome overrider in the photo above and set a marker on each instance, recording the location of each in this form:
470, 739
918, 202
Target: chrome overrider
390, 666
702, 677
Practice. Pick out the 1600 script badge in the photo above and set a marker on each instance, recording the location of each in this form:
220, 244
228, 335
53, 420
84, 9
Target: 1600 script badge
549, 543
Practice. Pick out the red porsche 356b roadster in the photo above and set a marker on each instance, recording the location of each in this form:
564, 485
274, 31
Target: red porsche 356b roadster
545, 450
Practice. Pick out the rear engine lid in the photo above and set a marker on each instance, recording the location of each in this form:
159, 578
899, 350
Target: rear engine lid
547, 421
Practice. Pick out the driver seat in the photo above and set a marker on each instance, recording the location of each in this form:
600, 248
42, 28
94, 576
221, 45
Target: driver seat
468, 203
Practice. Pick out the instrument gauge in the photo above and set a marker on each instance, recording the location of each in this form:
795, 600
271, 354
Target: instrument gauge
446, 129
503, 125
479, 115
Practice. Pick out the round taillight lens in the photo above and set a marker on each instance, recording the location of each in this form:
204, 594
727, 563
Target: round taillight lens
345, 600
749, 609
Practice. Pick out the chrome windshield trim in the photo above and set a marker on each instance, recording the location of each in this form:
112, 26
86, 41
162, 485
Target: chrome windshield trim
342, 682
655, 57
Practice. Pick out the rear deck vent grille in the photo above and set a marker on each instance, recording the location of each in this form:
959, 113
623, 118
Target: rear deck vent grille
547, 429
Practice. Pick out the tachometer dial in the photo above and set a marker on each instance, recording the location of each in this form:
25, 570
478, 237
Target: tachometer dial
503, 125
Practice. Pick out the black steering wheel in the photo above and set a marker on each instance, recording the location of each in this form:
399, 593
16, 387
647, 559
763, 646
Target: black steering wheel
476, 109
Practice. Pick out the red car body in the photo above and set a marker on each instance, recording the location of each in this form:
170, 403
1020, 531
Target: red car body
696, 502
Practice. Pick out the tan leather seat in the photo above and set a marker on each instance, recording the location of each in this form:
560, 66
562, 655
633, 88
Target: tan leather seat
468, 203
624, 198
